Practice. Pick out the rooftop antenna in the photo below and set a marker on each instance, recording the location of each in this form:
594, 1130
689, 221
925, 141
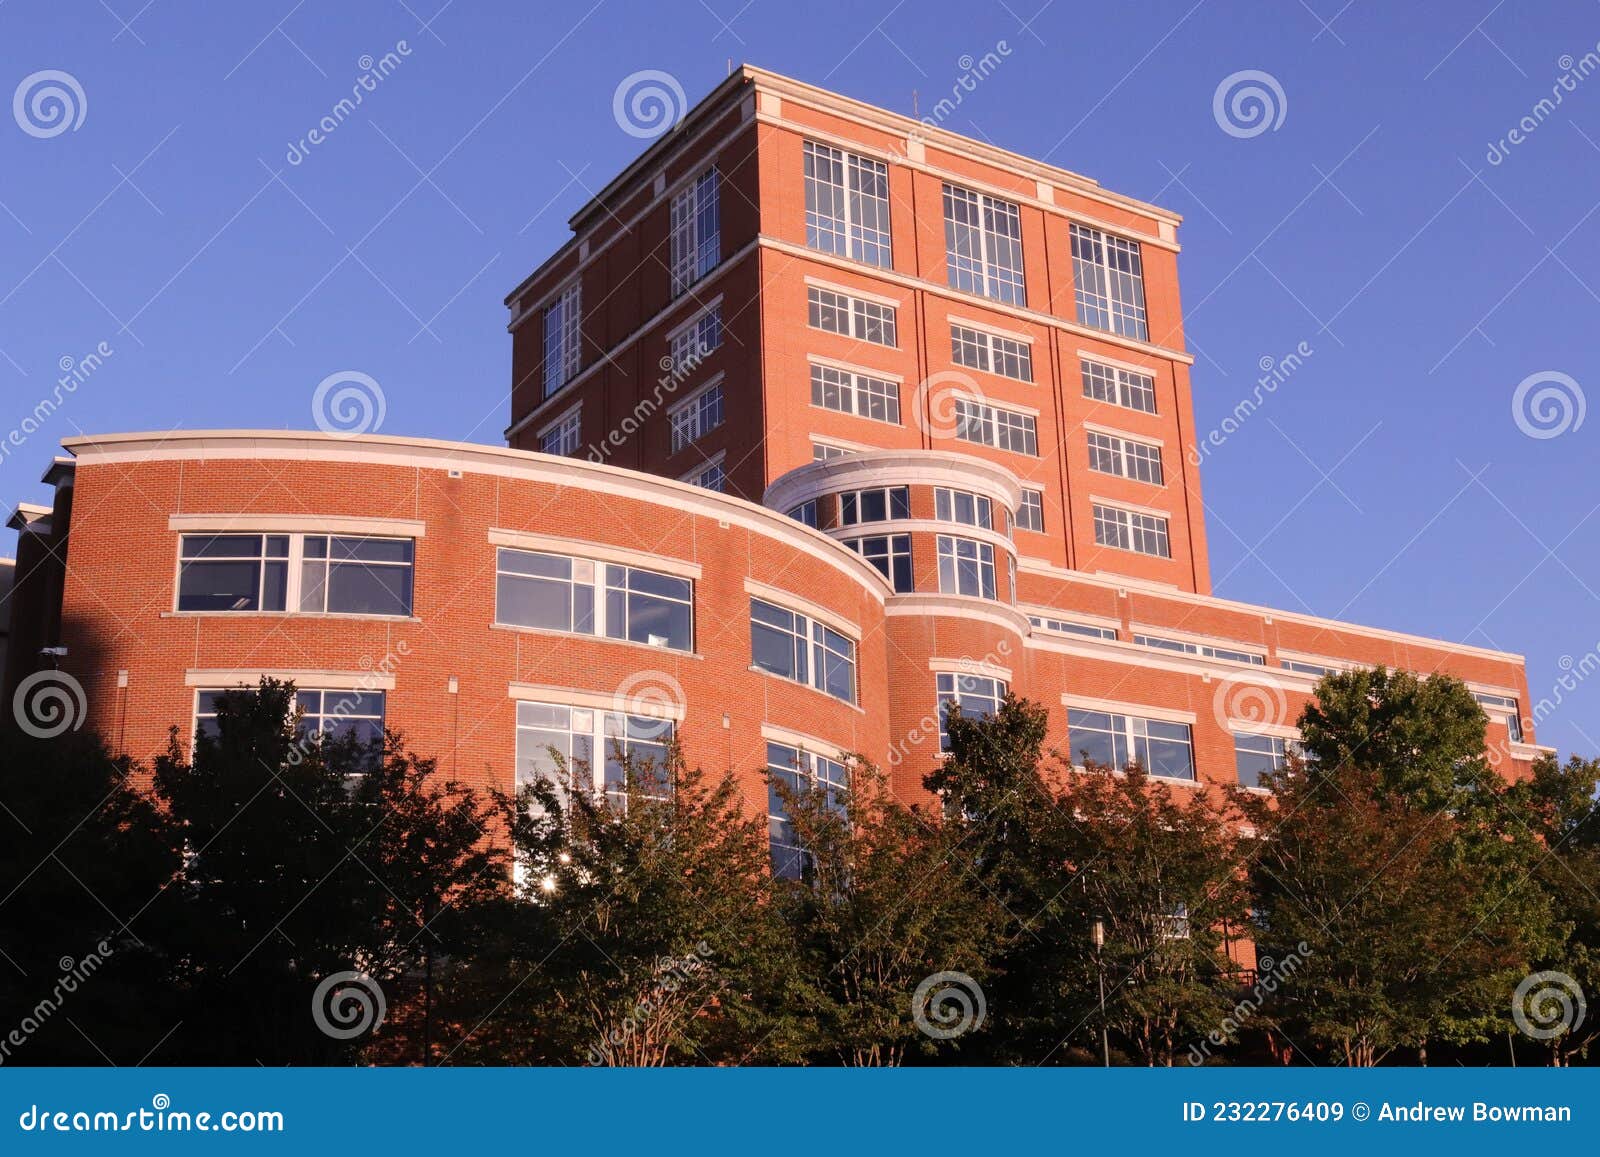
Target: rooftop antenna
730, 66
914, 114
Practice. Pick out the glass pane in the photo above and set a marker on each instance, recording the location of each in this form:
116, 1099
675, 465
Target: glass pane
773, 651
359, 589
373, 549
221, 546
219, 586
527, 602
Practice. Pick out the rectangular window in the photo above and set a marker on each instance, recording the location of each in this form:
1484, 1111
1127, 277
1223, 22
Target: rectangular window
963, 507
858, 394
966, 567
807, 512
1125, 458
790, 645
1316, 669
1111, 740
1118, 387
1109, 276
851, 316
983, 245
578, 596
562, 340
890, 553
847, 205
558, 743
1130, 530
1505, 703
563, 436
993, 426
1255, 755
358, 714
233, 572
309, 573
696, 245
356, 576
801, 772
970, 696
1205, 650
880, 504
822, 452
697, 340
990, 353
1030, 514
709, 477
696, 416
1056, 626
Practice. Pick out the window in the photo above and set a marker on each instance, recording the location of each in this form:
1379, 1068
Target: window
847, 204
1109, 276
983, 245
1130, 530
963, 507
1316, 669
800, 771
823, 452
970, 696
578, 596
795, 647
1205, 650
1030, 515
310, 573
562, 344
1161, 748
1067, 627
807, 512
1110, 454
991, 353
1119, 387
851, 316
563, 436
879, 504
233, 572
966, 567
334, 713
696, 415
993, 426
696, 232
709, 477
1507, 704
852, 393
890, 553
697, 339
1254, 755
552, 734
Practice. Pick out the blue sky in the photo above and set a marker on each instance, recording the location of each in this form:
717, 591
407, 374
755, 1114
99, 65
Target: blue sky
1387, 480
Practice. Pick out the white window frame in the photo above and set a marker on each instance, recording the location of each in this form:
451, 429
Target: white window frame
1058, 626
703, 474
1123, 457
860, 316
661, 731
813, 634
695, 246
1109, 297
859, 390
847, 236
972, 553
595, 575
293, 579
1000, 427
990, 353
982, 272
804, 764
697, 338
1133, 729
889, 493
896, 549
689, 418
1228, 654
563, 344
947, 502
1125, 386
568, 427
948, 689
1032, 500
1135, 526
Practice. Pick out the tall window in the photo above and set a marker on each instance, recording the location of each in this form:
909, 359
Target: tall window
855, 317
966, 567
578, 596
1119, 387
983, 245
890, 554
1111, 740
1256, 755
563, 436
1131, 530
962, 506
847, 204
1109, 275
696, 232
562, 345
801, 772
970, 696
697, 339
1030, 514
994, 426
879, 504
793, 646
309, 573
852, 393
991, 353
1124, 457
696, 415
550, 735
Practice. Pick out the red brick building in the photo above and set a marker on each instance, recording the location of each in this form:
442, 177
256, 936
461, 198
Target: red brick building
823, 419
